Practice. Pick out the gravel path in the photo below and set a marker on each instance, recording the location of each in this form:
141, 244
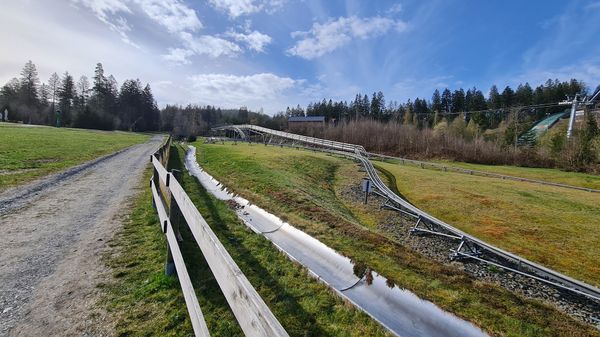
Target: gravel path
54, 233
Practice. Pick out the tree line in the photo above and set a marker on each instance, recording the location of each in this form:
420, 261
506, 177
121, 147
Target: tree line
191, 120
466, 126
63, 102
487, 112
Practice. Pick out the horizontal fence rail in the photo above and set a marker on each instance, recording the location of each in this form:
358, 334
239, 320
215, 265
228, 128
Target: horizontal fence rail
468, 247
442, 167
253, 315
196, 317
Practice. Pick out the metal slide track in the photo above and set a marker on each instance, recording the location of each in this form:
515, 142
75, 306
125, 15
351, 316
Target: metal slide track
468, 246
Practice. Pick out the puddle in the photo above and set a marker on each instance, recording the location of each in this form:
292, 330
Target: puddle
399, 310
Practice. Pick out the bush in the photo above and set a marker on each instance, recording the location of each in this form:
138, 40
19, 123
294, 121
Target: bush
403, 140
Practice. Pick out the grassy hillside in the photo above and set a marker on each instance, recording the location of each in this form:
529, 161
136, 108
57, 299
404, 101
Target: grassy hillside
306, 189
30, 152
554, 226
552, 175
145, 302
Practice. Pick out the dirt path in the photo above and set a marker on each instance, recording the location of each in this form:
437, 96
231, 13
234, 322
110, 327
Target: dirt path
50, 247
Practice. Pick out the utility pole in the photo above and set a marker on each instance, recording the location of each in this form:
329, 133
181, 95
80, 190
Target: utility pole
574, 105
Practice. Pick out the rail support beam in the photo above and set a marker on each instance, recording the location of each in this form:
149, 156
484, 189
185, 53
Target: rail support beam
465, 249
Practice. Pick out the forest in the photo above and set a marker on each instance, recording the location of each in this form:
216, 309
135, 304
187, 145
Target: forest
454, 124
62, 102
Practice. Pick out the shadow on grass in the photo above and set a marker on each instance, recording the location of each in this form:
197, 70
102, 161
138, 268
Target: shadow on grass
236, 237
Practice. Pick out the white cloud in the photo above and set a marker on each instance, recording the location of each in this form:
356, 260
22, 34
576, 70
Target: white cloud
172, 14
214, 46
178, 55
395, 9
104, 7
234, 91
327, 37
235, 8
254, 40
210, 45
106, 11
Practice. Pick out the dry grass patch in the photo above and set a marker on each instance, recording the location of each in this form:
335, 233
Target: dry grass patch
554, 226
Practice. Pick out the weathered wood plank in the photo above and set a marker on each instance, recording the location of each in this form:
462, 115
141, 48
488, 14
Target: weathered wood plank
162, 172
191, 301
254, 316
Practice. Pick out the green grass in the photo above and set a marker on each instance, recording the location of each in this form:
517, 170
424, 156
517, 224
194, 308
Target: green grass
551, 175
28, 153
142, 300
554, 226
305, 188
146, 302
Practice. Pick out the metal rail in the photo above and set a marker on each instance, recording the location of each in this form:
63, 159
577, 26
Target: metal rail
468, 247
305, 139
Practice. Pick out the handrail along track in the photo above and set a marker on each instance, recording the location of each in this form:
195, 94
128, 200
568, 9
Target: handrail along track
469, 246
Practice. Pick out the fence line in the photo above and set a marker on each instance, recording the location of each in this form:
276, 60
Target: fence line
196, 317
253, 315
442, 167
468, 246
423, 164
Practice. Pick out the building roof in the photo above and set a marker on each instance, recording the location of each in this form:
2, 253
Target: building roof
306, 119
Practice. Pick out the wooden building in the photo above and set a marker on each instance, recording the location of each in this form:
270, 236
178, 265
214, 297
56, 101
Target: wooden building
303, 123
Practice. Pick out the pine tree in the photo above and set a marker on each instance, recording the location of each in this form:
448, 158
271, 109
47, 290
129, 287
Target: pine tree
365, 106
53, 85
66, 93
524, 95
446, 100
458, 100
100, 86
44, 95
82, 91
478, 101
377, 105
508, 97
494, 98
29, 92
436, 102
469, 100
150, 112
129, 104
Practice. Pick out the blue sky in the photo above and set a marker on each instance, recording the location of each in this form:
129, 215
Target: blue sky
273, 53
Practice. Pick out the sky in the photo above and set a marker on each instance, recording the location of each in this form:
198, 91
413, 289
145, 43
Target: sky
269, 54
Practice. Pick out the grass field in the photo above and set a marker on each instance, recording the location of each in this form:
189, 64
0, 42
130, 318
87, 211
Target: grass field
554, 226
147, 303
552, 175
304, 188
27, 153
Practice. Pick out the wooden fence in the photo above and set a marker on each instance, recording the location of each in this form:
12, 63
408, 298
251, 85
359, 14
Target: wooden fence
171, 202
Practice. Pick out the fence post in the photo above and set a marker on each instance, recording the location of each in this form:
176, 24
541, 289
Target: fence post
169, 263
